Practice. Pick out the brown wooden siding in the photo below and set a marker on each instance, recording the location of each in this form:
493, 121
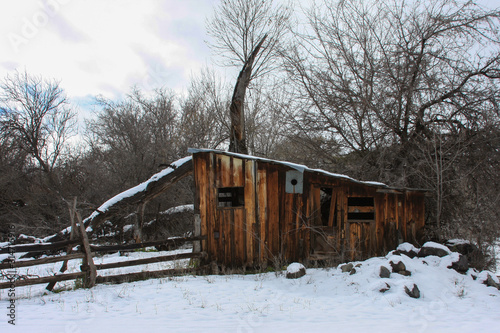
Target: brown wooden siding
273, 224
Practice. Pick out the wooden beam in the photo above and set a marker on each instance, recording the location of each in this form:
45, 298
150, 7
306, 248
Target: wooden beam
115, 248
64, 267
48, 260
150, 260
47, 279
143, 275
88, 262
39, 247
154, 188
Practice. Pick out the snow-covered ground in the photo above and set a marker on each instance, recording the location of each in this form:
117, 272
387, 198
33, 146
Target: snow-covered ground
324, 300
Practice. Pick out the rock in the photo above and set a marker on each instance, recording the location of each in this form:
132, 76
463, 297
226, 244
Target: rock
295, 271
384, 272
461, 246
414, 292
353, 271
406, 249
346, 267
475, 258
405, 273
432, 251
462, 265
387, 287
397, 267
358, 265
412, 254
491, 283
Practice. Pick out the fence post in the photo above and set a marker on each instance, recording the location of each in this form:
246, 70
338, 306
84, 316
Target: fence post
88, 263
74, 232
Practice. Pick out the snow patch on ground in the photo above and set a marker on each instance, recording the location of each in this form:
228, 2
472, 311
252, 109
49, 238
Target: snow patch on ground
323, 300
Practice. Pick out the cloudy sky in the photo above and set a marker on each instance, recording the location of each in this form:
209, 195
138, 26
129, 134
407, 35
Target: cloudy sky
97, 47
105, 47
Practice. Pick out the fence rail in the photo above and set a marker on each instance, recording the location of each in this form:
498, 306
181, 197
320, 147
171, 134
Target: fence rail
19, 281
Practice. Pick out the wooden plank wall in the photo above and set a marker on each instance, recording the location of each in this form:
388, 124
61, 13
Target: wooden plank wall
276, 225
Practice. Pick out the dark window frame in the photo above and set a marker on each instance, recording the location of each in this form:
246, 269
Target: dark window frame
230, 197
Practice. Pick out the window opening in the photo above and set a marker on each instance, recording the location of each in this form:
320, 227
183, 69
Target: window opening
361, 208
326, 203
230, 197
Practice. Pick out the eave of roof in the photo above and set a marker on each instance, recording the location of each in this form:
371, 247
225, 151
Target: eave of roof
301, 168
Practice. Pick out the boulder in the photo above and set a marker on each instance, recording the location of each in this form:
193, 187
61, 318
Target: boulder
414, 292
432, 251
461, 265
405, 273
397, 267
346, 267
353, 271
400, 268
461, 246
475, 258
490, 282
295, 270
387, 287
412, 254
384, 272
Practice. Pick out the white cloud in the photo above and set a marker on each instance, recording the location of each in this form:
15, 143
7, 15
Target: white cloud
105, 47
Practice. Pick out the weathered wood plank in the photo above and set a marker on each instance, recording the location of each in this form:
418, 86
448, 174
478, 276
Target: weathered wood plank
262, 212
125, 247
151, 260
361, 209
43, 280
250, 211
88, 261
239, 237
39, 248
115, 279
273, 208
35, 262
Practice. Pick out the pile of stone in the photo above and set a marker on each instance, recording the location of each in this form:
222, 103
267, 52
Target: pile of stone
461, 264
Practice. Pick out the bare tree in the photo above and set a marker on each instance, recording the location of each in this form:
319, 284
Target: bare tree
36, 122
377, 73
204, 119
238, 26
134, 136
36, 114
247, 34
407, 92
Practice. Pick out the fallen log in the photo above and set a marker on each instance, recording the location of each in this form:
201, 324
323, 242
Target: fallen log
140, 194
143, 192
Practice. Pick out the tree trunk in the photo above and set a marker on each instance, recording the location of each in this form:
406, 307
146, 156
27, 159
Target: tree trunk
237, 143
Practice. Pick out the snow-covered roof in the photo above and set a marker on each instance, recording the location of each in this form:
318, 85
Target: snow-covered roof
298, 167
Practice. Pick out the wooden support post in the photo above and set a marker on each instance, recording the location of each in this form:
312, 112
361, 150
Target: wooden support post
88, 263
74, 232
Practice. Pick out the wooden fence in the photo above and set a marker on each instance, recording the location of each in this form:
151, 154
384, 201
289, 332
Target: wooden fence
88, 268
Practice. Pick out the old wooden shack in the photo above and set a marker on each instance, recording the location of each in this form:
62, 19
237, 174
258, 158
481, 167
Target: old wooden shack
256, 211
